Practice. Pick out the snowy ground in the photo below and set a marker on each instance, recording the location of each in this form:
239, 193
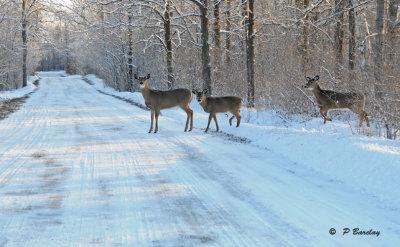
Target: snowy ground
77, 168
7, 95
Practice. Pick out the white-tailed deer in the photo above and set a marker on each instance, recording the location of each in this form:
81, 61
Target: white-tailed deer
328, 100
215, 105
157, 100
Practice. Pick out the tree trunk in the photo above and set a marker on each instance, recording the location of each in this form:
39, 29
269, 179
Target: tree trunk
217, 45
168, 44
339, 36
306, 39
228, 33
378, 59
205, 49
67, 66
392, 42
303, 40
299, 41
392, 31
352, 44
366, 46
24, 44
250, 53
217, 25
360, 43
131, 84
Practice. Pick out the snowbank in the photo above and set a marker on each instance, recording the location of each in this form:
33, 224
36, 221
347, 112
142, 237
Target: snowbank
370, 165
21, 92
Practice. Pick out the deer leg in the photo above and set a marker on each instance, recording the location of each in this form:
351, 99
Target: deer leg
189, 113
187, 119
363, 115
191, 119
157, 113
366, 118
151, 117
324, 113
238, 118
230, 120
216, 122
209, 121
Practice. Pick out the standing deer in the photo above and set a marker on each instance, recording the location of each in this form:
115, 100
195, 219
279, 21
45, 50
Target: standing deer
215, 105
328, 100
157, 100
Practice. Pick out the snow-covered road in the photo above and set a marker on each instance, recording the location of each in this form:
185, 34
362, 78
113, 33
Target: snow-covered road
78, 168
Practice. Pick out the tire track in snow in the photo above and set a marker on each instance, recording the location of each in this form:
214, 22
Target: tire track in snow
21, 139
28, 144
203, 171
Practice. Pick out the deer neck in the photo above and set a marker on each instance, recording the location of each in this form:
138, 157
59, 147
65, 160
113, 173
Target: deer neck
145, 91
203, 102
317, 90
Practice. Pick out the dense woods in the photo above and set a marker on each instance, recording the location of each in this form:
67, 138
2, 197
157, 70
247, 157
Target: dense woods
258, 50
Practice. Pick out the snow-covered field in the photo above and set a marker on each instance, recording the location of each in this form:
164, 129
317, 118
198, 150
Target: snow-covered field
78, 168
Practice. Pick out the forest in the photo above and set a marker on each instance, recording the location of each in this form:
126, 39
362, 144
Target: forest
258, 50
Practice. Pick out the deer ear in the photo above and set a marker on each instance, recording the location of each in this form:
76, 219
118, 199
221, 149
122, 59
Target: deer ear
148, 76
316, 77
136, 76
193, 91
205, 91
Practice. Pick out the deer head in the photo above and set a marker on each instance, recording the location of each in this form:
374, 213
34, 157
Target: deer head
199, 95
142, 80
311, 82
